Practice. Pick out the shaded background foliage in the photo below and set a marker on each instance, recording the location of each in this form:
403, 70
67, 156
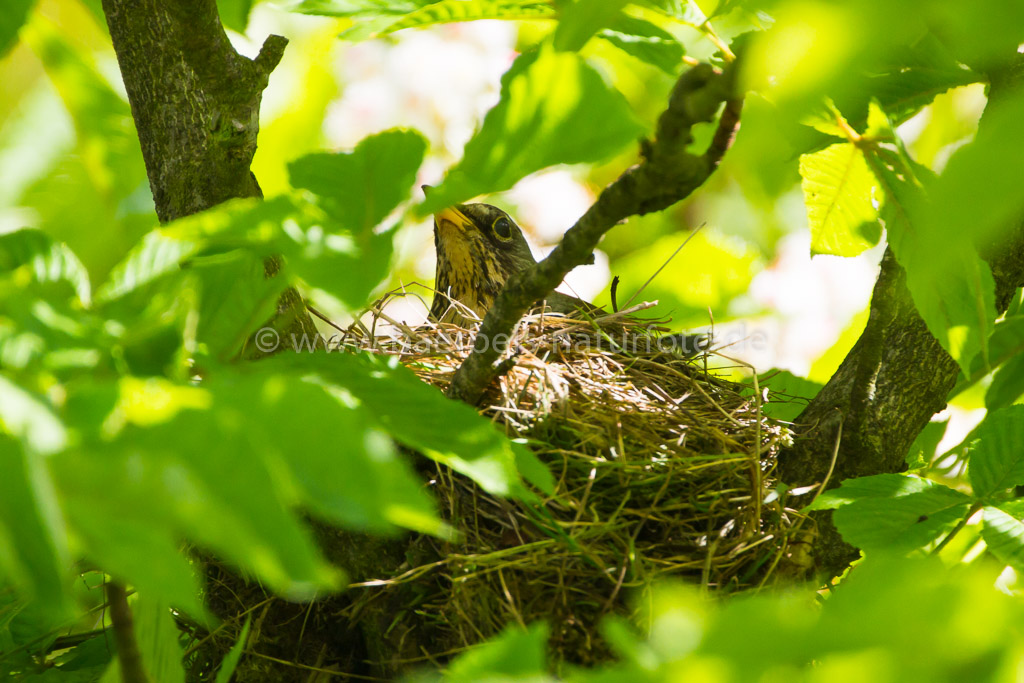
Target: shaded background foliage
862, 115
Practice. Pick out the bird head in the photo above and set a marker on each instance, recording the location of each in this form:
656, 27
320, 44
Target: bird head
479, 246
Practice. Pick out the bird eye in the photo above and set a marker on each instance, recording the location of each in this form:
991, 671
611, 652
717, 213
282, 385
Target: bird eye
503, 229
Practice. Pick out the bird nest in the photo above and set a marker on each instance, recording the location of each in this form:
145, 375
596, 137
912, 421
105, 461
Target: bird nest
661, 467
662, 470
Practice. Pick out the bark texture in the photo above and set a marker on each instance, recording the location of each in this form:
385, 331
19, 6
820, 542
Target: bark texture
893, 380
196, 105
194, 99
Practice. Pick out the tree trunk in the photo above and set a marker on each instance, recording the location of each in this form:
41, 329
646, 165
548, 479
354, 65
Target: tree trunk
196, 105
893, 380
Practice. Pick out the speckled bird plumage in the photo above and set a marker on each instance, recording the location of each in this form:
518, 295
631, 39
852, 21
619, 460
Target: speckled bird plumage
479, 246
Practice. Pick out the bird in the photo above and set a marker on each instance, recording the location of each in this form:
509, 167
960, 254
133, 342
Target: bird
480, 246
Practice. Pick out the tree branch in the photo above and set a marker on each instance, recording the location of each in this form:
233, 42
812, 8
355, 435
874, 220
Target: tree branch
667, 174
196, 105
128, 655
893, 380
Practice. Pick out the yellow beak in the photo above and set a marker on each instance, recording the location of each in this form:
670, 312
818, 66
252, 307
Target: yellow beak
452, 215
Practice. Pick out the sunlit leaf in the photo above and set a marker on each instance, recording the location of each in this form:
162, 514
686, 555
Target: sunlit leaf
709, 272
922, 451
1007, 384
1004, 536
788, 394
231, 224
996, 461
30, 418
31, 530
419, 416
42, 260
360, 188
516, 654
14, 15
554, 109
104, 184
893, 512
356, 8
236, 296
581, 19
173, 457
839, 191
347, 267
449, 11
976, 188
952, 287
1005, 344
157, 634
834, 49
235, 13
349, 472
645, 41
230, 661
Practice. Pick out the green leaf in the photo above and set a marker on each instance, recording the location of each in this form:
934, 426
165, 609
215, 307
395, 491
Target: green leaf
341, 265
357, 190
31, 254
11, 19
1004, 536
142, 551
952, 287
922, 451
359, 8
420, 417
581, 19
157, 255
230, 661
996, 460
235, 13
32, 538
515, 654
103, 184
450, 11
1004, 345
893, 512
878, 486
902, 524
233, 224
31, 419
976, 188
554, 109
1007, 385
710, 272
360, 188
788, 394
157, 635
683, 10
645, 41
189, 466
347, 472
839, 190
236, 296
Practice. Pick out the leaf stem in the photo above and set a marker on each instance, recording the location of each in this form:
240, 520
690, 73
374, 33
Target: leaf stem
957, 529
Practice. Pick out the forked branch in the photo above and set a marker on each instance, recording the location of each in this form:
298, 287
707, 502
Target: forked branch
667, 174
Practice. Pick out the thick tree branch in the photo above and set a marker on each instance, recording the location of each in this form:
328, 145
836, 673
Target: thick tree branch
893, 380
196, 105
667, 174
